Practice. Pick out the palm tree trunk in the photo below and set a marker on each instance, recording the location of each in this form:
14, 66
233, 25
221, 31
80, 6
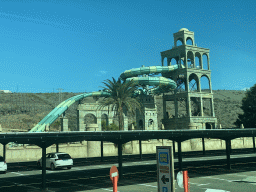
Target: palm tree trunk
121, 119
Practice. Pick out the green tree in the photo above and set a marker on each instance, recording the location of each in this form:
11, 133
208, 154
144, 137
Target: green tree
104, 125
111, 127
121, 97
248, 119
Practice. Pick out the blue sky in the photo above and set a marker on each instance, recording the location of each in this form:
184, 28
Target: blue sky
76, 45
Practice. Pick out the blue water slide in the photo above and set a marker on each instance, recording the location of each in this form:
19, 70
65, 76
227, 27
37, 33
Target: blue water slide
61, 108
160, 85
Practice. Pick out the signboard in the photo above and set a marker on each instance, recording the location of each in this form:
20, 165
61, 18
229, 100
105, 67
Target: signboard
113, 173
165, 169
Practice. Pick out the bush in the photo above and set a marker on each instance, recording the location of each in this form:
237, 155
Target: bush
111, 127
248, 119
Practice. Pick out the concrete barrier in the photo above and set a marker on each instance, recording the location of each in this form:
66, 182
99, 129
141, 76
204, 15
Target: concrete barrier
82, 150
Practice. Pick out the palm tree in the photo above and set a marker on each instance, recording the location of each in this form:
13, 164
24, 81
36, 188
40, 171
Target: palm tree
121, 96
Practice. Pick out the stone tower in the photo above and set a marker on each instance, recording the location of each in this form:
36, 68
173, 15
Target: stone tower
147, 120
190, 106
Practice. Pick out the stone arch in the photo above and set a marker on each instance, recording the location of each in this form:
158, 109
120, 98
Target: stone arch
189, 41
205, 62
90, 118
205, 83
165, 62
208, 126
179, 42
190, 59
150, 123
181, 83
193, 82
104, 117
173, 61
198, 63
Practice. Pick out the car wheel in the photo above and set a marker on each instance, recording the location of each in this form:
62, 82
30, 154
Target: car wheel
69, 167
52, 167
38, 165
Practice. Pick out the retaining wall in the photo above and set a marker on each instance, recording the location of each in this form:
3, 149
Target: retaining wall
80, 149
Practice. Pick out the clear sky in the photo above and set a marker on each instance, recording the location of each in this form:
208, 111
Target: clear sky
77, 44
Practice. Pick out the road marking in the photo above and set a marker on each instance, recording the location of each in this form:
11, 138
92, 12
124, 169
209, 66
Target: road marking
199, 184
203, 184
18, 173
148, 185
215, 190
108, 189
220, 179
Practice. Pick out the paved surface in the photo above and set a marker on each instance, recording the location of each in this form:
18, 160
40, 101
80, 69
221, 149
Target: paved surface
206, 173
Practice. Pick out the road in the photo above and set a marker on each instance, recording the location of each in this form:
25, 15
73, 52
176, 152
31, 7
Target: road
90, 174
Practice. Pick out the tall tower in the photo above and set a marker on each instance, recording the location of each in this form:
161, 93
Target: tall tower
190, 105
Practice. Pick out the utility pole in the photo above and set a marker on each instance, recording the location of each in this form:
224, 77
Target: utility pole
60, 94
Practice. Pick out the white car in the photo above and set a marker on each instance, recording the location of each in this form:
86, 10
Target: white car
3, 165
57, 160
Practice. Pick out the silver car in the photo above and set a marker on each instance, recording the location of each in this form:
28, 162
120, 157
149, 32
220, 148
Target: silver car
3, 165
57, 160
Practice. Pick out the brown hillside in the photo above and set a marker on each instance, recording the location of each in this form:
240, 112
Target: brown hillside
23, 110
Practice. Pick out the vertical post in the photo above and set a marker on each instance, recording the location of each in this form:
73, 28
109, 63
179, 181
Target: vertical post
120, 161
179, 156
77, 116
228, 153
43, 167
185, 181
101, 150
173, 144
114, 184
203, 146
164, 107
172, 171
57, 147
253, 141
140, 150
4, 151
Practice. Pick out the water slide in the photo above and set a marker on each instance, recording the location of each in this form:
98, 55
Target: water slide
61, 108
160, 85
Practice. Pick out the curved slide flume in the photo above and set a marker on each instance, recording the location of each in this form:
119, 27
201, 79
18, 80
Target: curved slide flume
161, 84
61, 108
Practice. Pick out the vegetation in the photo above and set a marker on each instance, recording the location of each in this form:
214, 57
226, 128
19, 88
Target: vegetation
248, 119
134, 125
120, 98
111, 127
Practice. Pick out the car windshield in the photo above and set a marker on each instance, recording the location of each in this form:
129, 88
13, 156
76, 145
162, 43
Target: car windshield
1, 159
64, 156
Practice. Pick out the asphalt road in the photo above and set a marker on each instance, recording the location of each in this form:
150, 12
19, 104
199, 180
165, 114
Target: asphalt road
90, 174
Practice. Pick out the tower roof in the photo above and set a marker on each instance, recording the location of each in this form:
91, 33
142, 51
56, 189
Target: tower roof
183, 29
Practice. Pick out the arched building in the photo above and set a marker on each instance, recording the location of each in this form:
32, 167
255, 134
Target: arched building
192, 101
147, 118
89, 113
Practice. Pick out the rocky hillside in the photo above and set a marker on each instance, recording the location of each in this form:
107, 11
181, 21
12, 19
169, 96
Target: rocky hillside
21, 111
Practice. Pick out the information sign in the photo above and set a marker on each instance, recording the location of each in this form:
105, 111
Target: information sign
165, 169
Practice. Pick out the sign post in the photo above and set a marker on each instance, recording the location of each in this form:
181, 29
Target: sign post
114, 177
165, 169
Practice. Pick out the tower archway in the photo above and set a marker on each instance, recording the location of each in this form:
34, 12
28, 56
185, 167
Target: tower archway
90, 119
189, 41
205, 62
